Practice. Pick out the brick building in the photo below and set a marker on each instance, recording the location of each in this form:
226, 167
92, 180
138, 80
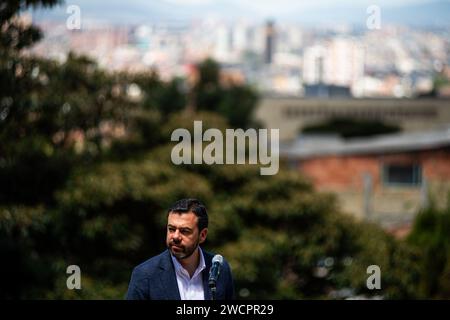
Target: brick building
386, 179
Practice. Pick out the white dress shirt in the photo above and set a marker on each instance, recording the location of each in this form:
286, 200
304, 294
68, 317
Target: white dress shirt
190, 288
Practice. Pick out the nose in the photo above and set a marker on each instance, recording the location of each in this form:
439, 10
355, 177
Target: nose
177, 236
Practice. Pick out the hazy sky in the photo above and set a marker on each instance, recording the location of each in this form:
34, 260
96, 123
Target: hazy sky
277, 4
352, 11
273, 7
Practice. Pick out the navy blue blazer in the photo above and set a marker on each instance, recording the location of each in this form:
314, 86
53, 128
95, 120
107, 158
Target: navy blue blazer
155, 279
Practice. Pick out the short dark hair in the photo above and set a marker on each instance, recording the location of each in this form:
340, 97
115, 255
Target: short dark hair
191, 205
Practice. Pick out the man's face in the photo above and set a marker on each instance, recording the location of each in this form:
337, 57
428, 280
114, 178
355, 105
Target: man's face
183, 236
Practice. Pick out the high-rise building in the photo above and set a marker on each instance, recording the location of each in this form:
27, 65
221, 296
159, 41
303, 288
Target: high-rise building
270, 42
240, 37
337, 62
224, 43
313, 64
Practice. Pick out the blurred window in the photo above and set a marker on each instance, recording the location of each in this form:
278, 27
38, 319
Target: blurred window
402, 174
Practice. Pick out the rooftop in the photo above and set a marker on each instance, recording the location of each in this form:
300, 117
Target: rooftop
318, 145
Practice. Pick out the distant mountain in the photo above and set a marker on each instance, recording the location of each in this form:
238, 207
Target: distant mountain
434, 13
142, 11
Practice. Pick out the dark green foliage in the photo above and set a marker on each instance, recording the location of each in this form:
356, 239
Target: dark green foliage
431, 235
235, 102
350, 128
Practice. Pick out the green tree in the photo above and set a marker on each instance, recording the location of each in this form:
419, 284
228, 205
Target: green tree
351, 128
430, 235
235, 102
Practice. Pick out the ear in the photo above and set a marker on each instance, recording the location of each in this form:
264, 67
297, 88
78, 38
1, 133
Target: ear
203, 235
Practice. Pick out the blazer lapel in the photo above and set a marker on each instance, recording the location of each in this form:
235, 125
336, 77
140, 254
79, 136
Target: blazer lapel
168, 279
206, 277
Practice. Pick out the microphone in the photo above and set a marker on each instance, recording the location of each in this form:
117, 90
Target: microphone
214, 272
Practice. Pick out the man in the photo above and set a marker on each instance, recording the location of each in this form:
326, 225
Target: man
182, 271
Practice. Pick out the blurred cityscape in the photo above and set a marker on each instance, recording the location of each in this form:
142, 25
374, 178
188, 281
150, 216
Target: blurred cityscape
275, 57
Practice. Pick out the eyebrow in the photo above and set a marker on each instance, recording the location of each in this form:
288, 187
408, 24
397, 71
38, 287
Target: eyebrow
184, 228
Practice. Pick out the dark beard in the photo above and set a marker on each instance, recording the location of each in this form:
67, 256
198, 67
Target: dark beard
189, 254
